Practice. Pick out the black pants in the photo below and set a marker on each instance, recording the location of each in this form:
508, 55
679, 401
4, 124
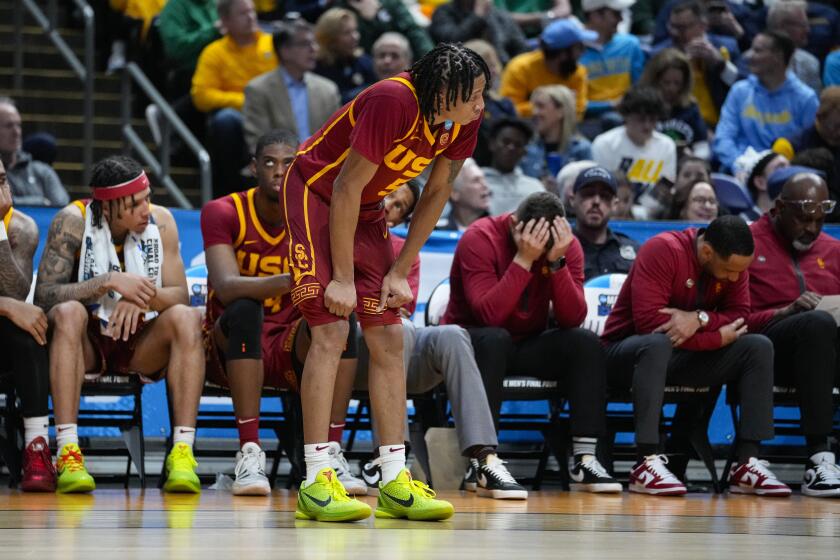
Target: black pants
806, 350
646, 363
572, 357
30, 368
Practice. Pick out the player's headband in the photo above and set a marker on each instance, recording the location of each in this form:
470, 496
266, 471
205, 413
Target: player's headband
134, 186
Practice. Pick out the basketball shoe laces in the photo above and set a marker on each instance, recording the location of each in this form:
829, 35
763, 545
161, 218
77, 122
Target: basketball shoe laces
72, 461
341, 463
760, 467
596, 468
500, 471
415, 485
657, 465
182, 458
337, 490
829, 472
250, 463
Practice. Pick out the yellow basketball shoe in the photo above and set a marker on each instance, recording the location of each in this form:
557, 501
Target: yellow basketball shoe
180, 470
72, 474
411, 499
327, 500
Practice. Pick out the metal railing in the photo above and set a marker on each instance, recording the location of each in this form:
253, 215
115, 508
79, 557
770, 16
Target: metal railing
160, 166
83, 71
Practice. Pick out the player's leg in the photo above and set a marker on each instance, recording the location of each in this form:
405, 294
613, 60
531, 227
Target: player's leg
173, 342
68, 327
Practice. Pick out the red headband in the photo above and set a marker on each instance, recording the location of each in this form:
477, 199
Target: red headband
134, 186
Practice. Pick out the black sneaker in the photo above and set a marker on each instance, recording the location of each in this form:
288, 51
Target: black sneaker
822, 479
591, 476
470, 480
494, 481
372, 475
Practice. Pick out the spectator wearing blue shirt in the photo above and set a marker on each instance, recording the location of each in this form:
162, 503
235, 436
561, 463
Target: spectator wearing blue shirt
771, 104
831, 73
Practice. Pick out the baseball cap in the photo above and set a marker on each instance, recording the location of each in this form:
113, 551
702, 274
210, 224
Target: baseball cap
617, 5
781, 176
563, 33
595, 175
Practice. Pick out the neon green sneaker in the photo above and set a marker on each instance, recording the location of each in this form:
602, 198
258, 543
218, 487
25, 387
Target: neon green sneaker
180, 471
409, 498
72, 474
327, 500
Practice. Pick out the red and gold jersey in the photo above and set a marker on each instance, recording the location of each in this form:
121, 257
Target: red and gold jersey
7, 219
260, 250
384, 124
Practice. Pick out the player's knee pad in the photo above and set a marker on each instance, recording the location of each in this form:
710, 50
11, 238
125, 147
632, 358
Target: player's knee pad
351, 347
241, 324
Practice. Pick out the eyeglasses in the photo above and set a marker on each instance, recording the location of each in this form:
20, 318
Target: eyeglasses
704, 200
811, 207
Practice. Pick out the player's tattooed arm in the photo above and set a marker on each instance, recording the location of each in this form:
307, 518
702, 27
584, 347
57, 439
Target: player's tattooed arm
16, 257
55, 282
454, 168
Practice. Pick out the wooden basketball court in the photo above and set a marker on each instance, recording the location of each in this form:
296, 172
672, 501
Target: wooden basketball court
121, 524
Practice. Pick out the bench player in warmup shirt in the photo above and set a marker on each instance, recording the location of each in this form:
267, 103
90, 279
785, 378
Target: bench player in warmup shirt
342, 258
112, 283
23, 338
251, 328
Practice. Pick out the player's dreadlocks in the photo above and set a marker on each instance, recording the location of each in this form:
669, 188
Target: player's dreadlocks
448, 69
112, 170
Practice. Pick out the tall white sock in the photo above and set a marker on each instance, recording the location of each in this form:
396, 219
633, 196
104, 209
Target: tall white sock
66, 433
317, 457
393, 461
183, 434
34, 427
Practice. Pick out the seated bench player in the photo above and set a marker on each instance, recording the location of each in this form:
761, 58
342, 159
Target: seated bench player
112, 283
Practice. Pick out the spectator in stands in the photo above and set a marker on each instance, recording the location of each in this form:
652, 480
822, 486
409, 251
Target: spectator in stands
507, 272
825, 163
340, 58
555, 62
714, 59
291, 96
623, 203
680, 320
604, 251
218, 88
564, 186
691, 170
831, 71
753, 169
533, 15
147, 330
737, 20
790, 17
462, 20
784, 294
556, 142
670, 73
186, 27
698, 204
508, 184
391, 55
23, 332
33, 183
772, 103
614, 61
469, 199
376, 17
824, 28
825, 133
637, 149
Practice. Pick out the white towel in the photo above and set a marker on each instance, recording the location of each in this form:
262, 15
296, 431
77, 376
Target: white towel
143, 255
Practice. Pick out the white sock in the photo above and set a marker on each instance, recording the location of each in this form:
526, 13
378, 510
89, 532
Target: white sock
35, 427
66, 433
317, 457
823, 456
183, 434
393, 461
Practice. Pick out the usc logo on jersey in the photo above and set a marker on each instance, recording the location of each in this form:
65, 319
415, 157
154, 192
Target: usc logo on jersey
402, 158
254, 264
301, 258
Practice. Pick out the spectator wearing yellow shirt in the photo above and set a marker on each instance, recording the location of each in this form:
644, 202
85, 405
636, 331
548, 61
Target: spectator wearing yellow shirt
218, 87
555, 62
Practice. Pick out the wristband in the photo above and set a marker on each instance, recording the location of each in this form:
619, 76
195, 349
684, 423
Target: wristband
558, 264
3, 235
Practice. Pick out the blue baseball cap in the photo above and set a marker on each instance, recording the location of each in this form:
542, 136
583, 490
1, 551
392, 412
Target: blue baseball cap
595, 175
563, 33
782, 175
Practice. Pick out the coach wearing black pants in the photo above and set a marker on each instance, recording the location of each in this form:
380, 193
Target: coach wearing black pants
679, 319
506, 272
796, 264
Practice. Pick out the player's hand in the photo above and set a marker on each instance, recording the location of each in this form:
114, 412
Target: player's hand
29, 318
133, 287
732, 332
124, 319
395, 291
340, 298
702, 49
5, 199
562, 236
680, 327
530, 239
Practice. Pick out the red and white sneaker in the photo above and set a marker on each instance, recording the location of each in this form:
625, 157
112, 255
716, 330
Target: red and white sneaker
651, 476
753, 477
38, 470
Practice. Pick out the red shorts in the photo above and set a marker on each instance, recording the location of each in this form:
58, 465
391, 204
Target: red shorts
115, 355
308, 223
277, 347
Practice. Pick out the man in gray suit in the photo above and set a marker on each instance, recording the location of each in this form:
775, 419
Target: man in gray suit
292, 96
